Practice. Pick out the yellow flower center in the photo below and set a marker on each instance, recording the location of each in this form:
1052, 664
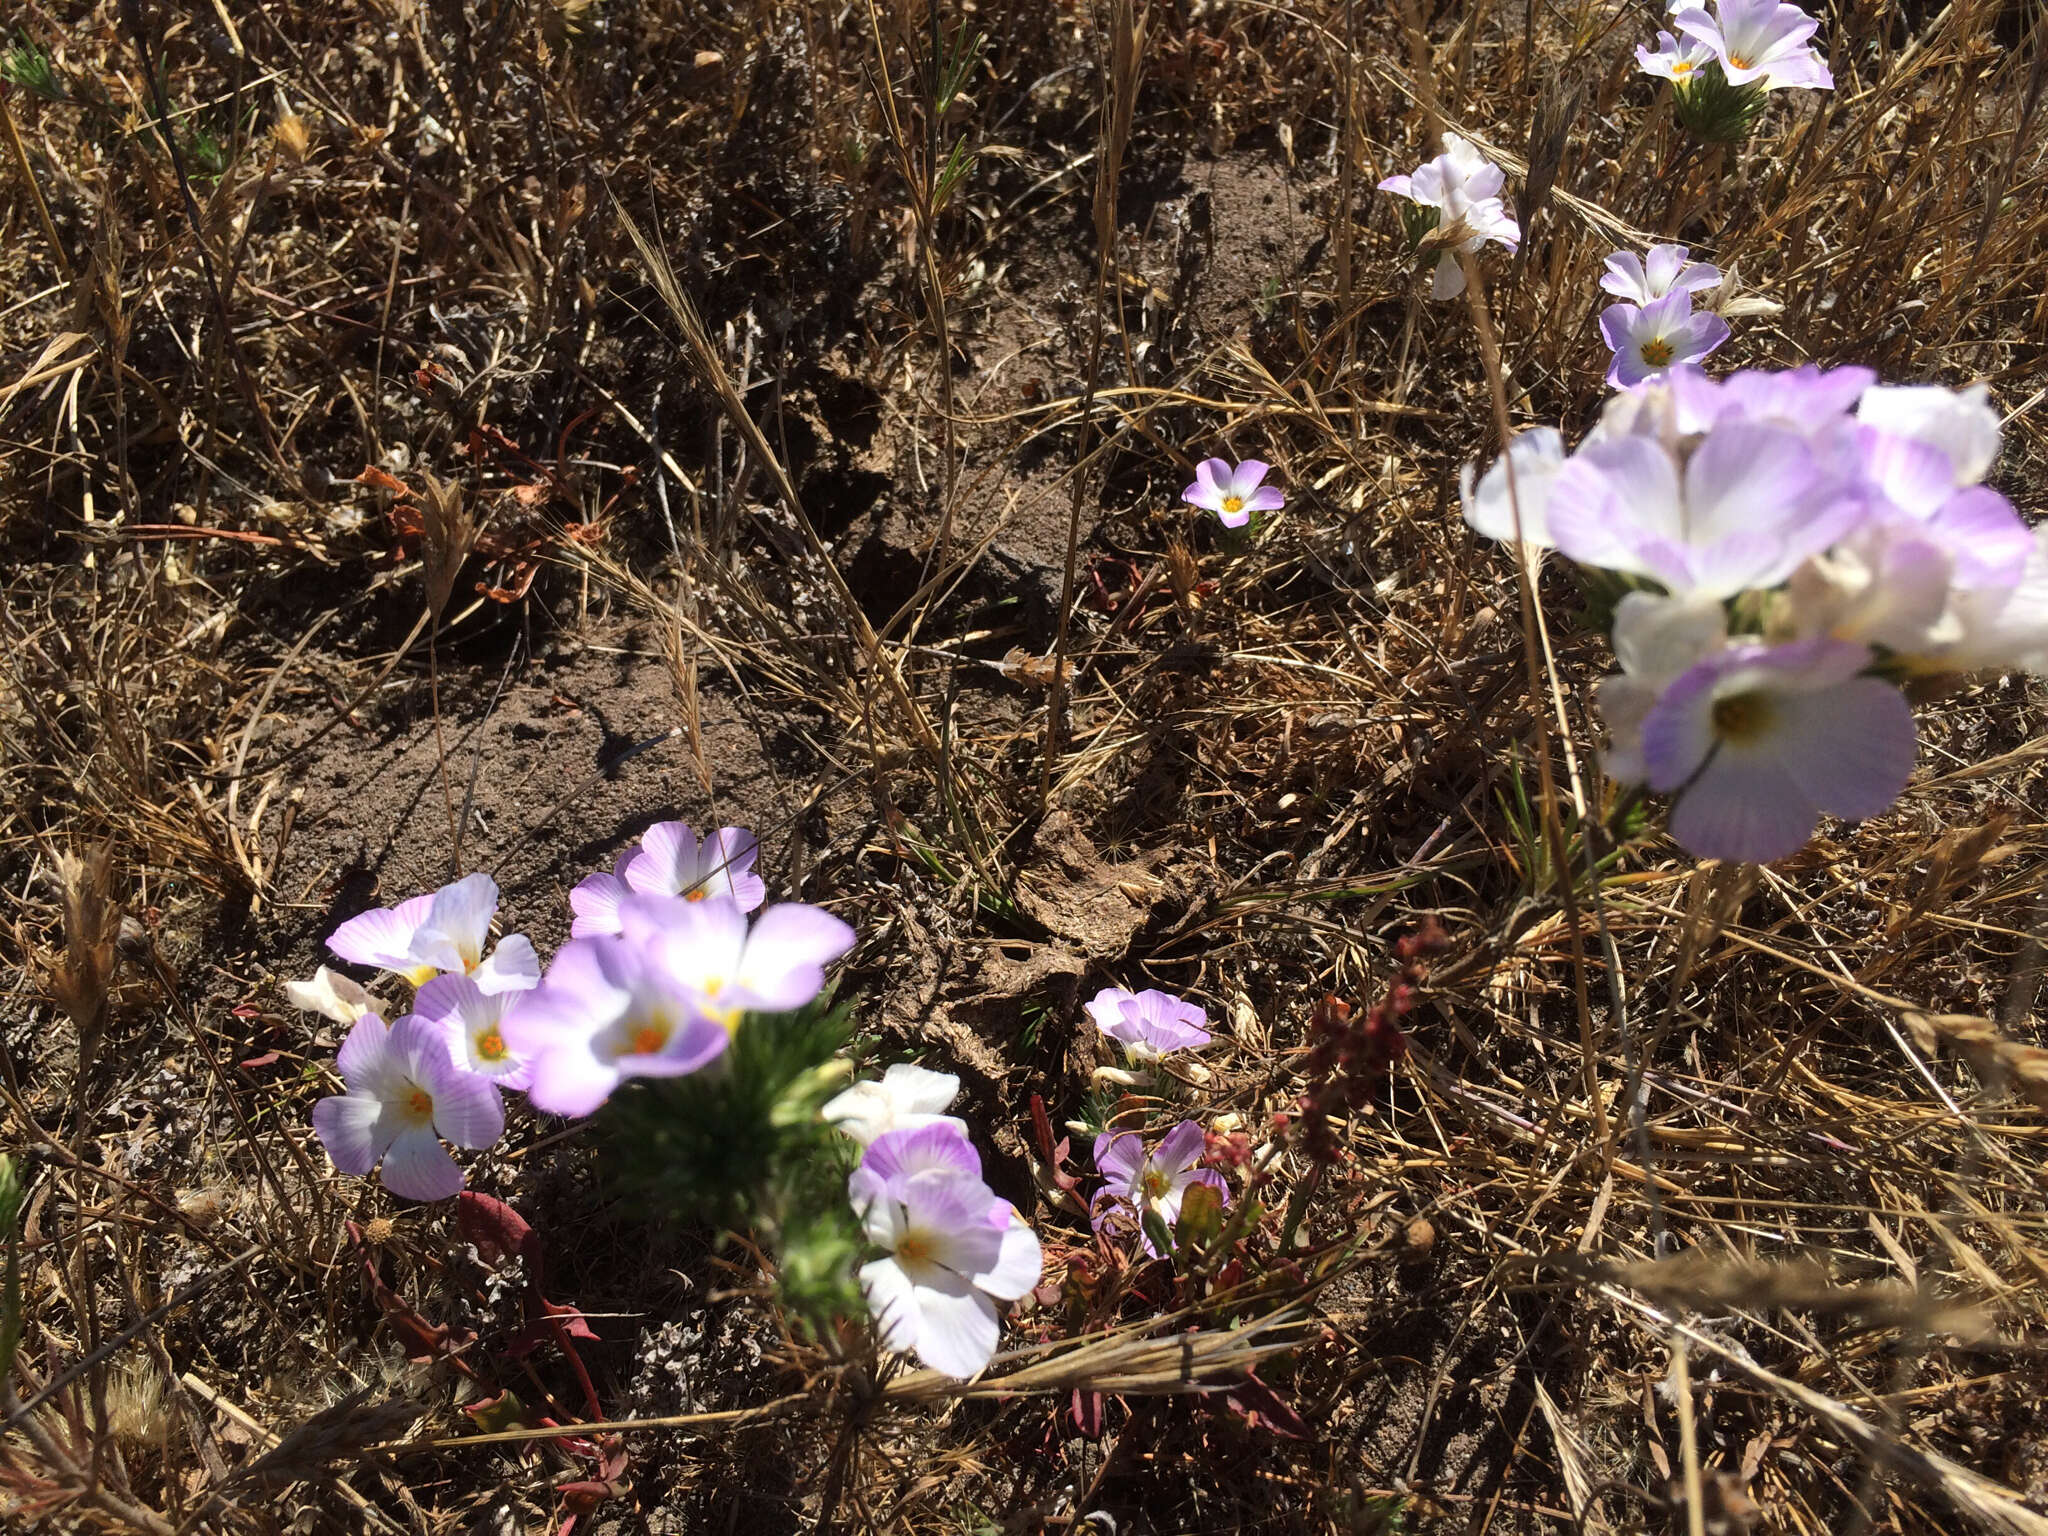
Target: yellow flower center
1682, 67
1657, 352
1154, 1185
490, 1046
1233, 503
419, 1104
1743, 717
1737, 61
419, 975
695, 893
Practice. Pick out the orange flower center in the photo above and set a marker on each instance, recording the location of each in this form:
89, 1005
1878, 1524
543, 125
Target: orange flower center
914, 1247
1737, 61
491, 1046
649, 1038
420, 1104
1657, 352
1154, 1184
695, 893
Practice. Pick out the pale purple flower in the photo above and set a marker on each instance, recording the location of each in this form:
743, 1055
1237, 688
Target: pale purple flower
907, 1098
1807, 399
1758, 741
662, 997
1463, 188
954, 1248
1740, 511
1138, 1183
1673, 59
1667, 269
1149, 1024
1758, 42
669, 861
1233, 494
404, 1094
1649, 338
474, 1022
446, 931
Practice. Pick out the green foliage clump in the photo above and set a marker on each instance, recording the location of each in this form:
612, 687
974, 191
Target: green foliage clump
741, 1146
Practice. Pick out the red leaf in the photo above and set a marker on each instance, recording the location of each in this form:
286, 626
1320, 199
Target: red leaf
498, 1231
1259, 1403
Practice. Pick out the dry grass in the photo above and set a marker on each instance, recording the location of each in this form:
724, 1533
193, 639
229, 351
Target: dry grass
1707, 1199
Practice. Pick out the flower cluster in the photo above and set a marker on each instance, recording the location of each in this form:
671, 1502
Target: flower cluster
663, 966
1454, 206
952, 1247
1654, 327
1722, 63
1794, 544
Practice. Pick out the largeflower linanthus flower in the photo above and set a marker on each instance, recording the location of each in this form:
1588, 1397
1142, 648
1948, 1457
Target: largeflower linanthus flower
908, 1098
1459, 208
405, 1093
1760, 740
669, 861
1149, 1024
954, 1248
662, 997
474, 1022
1649, 338
1233, 494
1741, 509
1158, 1183
1666, 269
448, 930
1758, 42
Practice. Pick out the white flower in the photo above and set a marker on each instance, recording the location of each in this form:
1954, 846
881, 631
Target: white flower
447, 931
332, 994
954, 1248
908, 1098
1464, 189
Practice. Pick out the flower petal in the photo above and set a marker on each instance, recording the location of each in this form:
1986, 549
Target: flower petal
595, 901
1181, 1147
892, 1303
467, 1107
956, 1326
383, 937
355, 1130
418, 1167
1120, 1155
1018, 1266
511, 967
787, 951
361, 1059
